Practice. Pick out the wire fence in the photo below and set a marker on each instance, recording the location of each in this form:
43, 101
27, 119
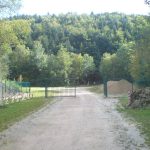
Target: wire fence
46, 92
12, 91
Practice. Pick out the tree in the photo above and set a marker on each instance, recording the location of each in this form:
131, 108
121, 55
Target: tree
147, 2
140, 66
19, 63
116, 66
9, 6
53, 40
64, 60
88, 67
38, 55
59, 67
123, 55
108, 65
8, 40
3, 67
7, 36
76, 66
21, 29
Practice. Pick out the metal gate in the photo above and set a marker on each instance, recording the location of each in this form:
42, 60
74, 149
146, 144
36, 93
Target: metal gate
60, 92
54, 88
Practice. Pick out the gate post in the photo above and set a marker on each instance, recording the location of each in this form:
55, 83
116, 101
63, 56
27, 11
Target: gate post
105, 88
75, 91
46, 92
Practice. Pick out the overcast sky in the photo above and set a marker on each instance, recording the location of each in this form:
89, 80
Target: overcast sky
42, 7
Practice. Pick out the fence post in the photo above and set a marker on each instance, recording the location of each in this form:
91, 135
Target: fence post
46, 92
2, 93
105, 88
76, 80
5, 87
75, 91
29, 92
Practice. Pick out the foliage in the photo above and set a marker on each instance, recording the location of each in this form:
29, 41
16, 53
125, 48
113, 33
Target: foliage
107, 66
64, 60
3, 67
140, 67
116, 66
7, 38
68, 46
82, 67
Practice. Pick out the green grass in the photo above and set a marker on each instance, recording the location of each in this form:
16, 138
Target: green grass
141, 116
40, 91
96, 89
16, 111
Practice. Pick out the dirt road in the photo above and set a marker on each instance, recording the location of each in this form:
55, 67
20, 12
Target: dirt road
87, 122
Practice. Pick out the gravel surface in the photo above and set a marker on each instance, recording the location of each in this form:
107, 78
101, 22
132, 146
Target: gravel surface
87, 122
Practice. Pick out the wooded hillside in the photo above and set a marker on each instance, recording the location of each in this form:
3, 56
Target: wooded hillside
71, 45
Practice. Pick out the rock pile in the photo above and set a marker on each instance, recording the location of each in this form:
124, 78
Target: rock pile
139, 98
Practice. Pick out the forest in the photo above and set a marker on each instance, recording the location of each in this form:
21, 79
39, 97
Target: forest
90, 48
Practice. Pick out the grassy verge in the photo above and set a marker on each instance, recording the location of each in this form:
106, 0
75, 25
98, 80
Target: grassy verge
96, 89
141, 116
16, 111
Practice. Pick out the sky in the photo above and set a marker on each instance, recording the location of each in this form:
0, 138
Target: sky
42, 7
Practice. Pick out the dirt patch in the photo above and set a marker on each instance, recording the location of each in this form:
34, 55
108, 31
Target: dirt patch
118, 87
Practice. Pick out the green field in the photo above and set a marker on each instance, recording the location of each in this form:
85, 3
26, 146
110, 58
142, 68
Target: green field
140, 116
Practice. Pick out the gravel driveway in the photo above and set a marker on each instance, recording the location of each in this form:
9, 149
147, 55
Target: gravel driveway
87, 122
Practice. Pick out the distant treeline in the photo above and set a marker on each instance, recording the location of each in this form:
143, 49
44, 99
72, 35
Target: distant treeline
71, 45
